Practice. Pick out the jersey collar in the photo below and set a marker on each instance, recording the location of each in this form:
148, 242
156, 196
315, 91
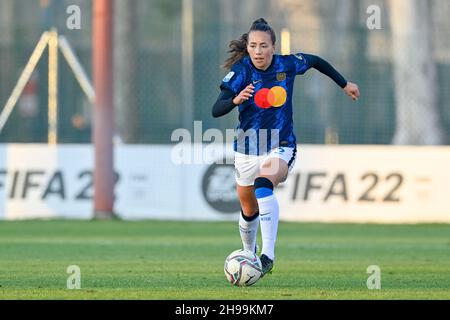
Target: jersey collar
249, 60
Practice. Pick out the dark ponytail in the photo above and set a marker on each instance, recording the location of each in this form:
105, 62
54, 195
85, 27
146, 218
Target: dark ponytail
238, 48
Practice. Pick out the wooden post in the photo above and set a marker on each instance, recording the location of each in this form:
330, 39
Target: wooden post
103, 110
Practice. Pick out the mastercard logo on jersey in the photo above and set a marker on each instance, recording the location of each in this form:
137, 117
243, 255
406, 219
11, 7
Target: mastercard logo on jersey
275, 97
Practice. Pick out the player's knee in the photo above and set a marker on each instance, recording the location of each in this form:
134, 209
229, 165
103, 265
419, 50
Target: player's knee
249, 215
249, 208
263, 187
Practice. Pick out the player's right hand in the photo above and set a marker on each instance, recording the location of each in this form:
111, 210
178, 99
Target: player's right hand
352, 91
244, 95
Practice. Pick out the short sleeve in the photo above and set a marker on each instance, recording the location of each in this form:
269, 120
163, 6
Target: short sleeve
301, 63
235, 80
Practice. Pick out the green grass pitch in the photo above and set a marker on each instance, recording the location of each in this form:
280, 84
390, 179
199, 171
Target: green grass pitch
184, 260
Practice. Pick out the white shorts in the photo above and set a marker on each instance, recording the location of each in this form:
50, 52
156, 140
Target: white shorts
248, 166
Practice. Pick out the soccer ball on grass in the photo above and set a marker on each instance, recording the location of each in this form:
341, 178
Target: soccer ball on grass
242, 268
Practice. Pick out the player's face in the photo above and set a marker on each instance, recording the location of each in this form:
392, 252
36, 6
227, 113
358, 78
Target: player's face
261, 49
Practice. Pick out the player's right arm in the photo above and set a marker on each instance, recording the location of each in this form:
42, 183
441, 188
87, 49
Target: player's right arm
227, 100
234, 91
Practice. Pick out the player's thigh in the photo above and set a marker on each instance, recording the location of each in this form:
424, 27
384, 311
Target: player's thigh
248, 201
278, 163
274, 169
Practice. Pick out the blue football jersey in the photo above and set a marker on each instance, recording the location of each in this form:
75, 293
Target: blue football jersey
265, 120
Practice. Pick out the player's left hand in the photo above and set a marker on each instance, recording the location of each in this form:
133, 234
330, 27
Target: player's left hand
352, 91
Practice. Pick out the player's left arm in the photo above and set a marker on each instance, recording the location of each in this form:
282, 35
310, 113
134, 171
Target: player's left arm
351, 89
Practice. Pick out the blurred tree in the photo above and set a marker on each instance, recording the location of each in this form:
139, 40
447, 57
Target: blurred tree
344, 44
6, 41
441, 45
415, 74
126, 48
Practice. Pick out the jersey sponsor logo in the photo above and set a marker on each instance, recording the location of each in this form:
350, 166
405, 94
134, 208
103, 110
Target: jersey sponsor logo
281, 76
256, 81
228, 76
275, 97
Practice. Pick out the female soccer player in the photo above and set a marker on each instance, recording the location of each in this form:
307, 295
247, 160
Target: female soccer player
260, 83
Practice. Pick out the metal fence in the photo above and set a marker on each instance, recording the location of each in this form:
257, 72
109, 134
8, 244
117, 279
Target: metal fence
322, 113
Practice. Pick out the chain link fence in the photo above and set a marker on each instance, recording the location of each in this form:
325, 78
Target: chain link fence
322, 112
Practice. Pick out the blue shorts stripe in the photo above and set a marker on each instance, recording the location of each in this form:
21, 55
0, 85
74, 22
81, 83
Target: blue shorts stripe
294, 153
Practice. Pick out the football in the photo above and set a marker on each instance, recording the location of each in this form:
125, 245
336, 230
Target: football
242, 268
